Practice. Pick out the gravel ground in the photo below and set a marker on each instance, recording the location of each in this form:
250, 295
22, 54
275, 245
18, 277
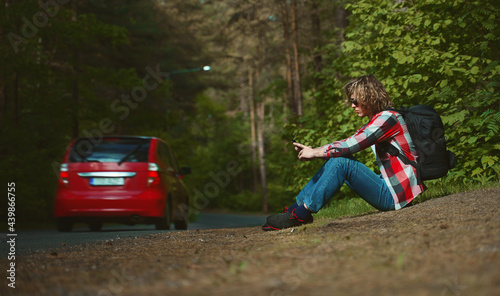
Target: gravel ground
445, 246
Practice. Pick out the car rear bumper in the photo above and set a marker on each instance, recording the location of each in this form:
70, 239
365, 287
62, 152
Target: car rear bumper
150, 203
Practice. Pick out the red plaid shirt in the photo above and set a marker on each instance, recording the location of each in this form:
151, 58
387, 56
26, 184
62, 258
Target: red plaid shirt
399, 177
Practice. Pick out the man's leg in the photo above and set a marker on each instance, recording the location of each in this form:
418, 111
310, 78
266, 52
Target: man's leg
327, 181
332, 175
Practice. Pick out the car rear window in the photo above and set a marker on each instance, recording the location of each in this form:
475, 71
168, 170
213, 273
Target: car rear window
110, 150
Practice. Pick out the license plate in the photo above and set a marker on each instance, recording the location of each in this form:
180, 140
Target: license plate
107, 181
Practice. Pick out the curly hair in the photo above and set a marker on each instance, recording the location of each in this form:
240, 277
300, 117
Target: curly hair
369, 92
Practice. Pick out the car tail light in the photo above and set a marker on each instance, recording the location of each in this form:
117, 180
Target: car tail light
64, 174
153, 175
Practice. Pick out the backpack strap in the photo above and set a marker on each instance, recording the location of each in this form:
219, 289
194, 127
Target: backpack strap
392, 150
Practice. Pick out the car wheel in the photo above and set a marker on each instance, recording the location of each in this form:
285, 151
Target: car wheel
183, 224
95, 226
180, 225
64, 224
164, 222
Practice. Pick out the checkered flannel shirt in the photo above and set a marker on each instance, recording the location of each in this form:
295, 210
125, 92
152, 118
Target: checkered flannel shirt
399, 177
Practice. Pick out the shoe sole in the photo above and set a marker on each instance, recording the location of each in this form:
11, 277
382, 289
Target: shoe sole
267, 227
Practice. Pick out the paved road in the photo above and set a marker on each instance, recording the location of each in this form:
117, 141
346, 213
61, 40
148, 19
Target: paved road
31, 241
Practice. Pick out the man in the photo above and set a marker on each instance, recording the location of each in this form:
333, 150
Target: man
397, 185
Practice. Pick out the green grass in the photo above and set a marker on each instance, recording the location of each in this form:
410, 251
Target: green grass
357, 206
436, 189
345, 207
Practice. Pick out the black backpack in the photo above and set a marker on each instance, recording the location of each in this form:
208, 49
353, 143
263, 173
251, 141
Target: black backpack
427, 132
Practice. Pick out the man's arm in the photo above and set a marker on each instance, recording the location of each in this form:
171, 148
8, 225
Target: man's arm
379, 129
383, 126
307, 152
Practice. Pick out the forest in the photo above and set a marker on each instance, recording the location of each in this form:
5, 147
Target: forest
277, 69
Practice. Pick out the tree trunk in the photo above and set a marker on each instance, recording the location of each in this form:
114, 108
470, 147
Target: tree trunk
3, 100
251, 101
15, 99
3, 90
76, 103
290, 98
341, 22
243, 97
75, 93
296, 80
262, 158
316, 33
261, 104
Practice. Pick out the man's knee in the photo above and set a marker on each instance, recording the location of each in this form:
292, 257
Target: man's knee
341, 160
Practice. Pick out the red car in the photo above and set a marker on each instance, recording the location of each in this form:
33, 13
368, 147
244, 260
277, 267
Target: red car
124, 179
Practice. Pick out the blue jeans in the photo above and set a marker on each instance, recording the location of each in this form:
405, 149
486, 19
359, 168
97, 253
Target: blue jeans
330, 177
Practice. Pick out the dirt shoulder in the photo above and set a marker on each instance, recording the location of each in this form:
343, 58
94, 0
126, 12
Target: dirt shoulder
445, 246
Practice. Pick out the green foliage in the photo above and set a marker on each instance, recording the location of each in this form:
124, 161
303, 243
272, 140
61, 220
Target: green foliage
61, 78
245, 199
345, 207
438, 53
442, 53
36, 104
425, 52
